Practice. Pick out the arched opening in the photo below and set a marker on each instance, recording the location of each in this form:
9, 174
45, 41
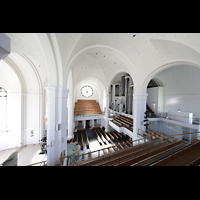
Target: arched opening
10, 107
121, 91
155, 99
174, 96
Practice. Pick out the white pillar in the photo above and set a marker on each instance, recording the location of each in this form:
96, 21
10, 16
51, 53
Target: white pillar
84, 123
57, 124
139, 108
126, 94
113, 97
70, 117
52, 120
62, 120
107, 114
92, 122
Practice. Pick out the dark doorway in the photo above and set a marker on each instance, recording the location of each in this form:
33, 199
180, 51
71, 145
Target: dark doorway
87, 123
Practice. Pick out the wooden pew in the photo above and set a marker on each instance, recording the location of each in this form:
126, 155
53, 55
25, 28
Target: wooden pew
128, 142
118, 134
111, 136
102, 137
87, 140
77, 138
98, 138
120, 145
106, 136
125, 144
114, 134
82, 141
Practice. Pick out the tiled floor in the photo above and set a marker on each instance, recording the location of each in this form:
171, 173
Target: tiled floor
26, 155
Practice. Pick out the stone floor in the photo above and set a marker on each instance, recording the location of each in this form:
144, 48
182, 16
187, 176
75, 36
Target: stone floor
26, 155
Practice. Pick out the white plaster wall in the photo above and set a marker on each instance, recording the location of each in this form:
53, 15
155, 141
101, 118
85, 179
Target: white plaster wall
10, 82
156, 95
12, 138
32, 119
181, 88
19, 132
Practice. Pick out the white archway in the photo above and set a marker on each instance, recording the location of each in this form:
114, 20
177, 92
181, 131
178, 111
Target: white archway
162, 68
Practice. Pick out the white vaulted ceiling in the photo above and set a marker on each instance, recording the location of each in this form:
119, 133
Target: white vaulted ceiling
103, 55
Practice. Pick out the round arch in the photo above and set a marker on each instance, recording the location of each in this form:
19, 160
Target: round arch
127, 64
162, 68
117, 74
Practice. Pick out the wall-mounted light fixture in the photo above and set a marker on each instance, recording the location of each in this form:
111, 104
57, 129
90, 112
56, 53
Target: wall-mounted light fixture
154, 106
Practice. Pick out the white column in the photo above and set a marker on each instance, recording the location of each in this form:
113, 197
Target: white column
70, 117
107, 114
57, 124
139, 108
52, 121
113, 97
92, 122
62, 120
126, 94
84, 123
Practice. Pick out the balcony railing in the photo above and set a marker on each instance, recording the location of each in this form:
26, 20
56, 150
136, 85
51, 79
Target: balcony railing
99, 115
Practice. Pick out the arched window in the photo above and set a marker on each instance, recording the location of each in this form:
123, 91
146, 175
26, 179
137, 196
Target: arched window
3, 109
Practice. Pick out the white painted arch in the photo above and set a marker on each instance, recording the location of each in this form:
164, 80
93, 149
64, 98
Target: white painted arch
113, 53
162, 68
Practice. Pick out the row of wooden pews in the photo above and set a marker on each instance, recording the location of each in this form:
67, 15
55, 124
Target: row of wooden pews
141, 155
124, 121
116, 154
186, 157
81, 135
112, 141
155, 135
87, 107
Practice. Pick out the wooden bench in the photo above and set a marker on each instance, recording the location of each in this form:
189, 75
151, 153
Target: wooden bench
118, 134
113, 139
82, 141
102, 137
114, 134
87, 141
98, 138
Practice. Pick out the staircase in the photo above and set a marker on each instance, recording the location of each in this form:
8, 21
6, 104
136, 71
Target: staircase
150, 112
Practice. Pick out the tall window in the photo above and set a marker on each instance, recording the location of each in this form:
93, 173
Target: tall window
3, 109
